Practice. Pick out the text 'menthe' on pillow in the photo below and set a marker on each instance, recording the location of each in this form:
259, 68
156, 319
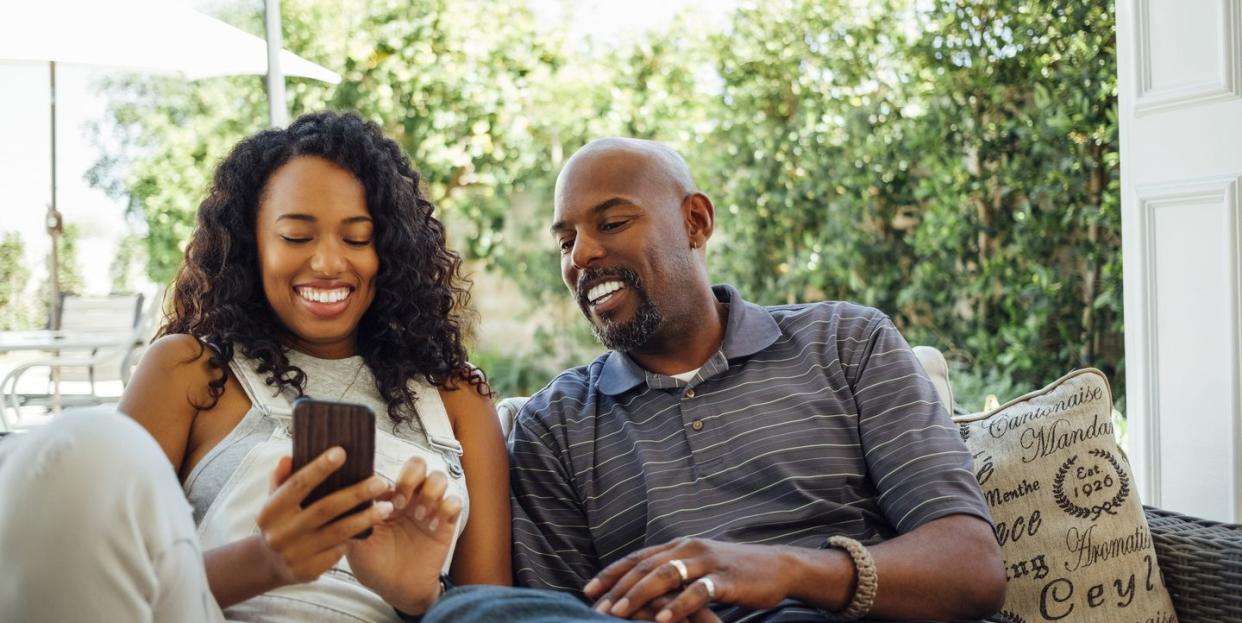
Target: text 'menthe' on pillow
1069, 521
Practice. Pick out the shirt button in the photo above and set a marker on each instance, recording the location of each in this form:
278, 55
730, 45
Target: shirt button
689, 394
697, 425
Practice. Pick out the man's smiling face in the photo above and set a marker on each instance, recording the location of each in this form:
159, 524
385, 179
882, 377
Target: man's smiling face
619, 227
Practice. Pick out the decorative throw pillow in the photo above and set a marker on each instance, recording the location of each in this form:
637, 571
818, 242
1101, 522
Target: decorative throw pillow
1071, 528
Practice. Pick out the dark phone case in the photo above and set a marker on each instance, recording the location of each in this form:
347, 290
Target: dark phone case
319, 425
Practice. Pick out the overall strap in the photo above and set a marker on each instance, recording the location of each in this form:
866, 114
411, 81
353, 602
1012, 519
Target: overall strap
435, 419
270, 400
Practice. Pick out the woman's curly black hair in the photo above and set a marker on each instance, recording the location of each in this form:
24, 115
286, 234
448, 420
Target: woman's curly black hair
413, 328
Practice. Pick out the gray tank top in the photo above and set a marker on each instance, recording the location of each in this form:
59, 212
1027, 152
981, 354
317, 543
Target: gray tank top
348, 380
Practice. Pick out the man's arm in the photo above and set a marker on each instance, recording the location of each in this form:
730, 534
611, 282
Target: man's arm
948, 568
945, 569
552, 546
946, 561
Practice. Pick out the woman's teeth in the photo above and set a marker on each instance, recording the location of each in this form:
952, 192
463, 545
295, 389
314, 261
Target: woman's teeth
323, 296
601, 291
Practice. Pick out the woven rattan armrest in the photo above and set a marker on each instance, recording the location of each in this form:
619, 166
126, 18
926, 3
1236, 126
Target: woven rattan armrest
1202, 565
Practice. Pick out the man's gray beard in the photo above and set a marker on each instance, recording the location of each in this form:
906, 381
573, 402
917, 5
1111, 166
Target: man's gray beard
626, 336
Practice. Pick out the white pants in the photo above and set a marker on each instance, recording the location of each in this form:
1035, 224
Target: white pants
94, 527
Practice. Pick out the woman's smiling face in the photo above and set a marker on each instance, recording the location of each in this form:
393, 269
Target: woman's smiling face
317, 254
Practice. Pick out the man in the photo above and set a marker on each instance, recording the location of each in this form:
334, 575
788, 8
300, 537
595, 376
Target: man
707, 459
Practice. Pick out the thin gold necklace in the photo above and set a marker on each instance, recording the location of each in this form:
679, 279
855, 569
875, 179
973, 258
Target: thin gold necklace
357, 374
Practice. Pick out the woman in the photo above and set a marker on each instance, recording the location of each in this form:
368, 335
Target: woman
316, 269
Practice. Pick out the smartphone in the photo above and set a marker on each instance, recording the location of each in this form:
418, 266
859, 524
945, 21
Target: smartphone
319, 425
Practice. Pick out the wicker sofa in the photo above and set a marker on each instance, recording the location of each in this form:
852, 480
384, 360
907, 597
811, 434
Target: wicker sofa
1202, 565
1201, 560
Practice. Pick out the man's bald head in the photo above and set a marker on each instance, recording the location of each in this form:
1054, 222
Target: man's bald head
647, 164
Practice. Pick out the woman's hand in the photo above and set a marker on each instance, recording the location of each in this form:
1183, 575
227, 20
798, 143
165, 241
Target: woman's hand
298, 544
402, 558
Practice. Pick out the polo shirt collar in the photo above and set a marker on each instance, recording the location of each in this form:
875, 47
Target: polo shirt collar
750, 329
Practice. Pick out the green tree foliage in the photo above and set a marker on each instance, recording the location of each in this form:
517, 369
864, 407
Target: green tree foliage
130, 255
173, 132
37, 311
450, 85
180, 131
68, 265
1022, 185
952, 162
955, 166
810, 174
14, 308
649, 89
18, 310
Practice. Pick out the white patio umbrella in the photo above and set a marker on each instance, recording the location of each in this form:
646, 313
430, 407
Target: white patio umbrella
145, 36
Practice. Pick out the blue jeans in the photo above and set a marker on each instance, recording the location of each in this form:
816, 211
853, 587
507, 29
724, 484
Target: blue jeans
498, 604
501, 604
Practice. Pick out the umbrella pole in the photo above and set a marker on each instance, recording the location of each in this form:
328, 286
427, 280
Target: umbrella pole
54, 225
277, 112
54, 229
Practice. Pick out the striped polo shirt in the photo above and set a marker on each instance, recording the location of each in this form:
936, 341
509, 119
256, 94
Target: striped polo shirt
810, 421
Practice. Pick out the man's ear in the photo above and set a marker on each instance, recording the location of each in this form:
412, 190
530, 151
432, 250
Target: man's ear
700, 217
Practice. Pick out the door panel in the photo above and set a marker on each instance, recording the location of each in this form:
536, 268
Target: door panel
1180, 105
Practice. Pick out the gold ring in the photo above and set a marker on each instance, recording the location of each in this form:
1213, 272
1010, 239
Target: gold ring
681, 570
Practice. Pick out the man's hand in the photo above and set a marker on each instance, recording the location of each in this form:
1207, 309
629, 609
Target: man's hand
744, 575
